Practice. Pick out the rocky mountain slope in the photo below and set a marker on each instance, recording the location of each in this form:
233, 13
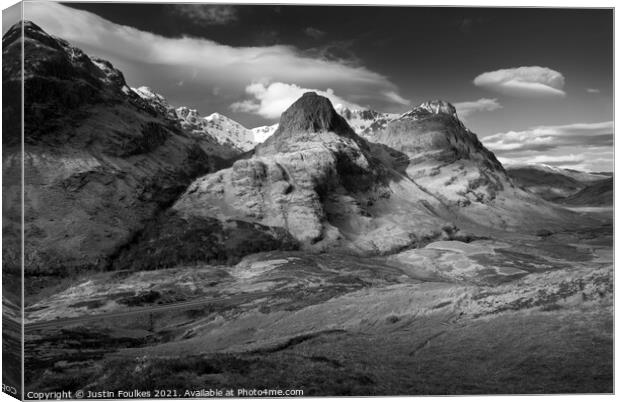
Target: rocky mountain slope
366, 122
99, 160
320, 181
551, 183
221, 134
436, 151
332, 189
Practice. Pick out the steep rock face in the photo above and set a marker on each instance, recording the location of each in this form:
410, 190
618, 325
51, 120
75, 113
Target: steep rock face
443, 155
317, 179
99, 160
309, 115
447, 160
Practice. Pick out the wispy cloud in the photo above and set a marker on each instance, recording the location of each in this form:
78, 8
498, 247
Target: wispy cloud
562, 160
205, 14
543, 138
202, 64
396, 98
531, 81
465, 109
589, 161
270, 100
584, 146
314, 32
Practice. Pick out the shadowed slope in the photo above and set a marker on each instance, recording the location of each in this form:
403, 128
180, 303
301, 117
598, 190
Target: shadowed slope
99, 160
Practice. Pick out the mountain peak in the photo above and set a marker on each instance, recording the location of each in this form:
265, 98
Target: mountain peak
310, 114
313, 113
439, 107
28, 26
431, 108
215, 116
31, 30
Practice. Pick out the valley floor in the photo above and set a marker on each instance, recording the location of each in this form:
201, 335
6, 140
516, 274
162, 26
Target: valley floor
516, 314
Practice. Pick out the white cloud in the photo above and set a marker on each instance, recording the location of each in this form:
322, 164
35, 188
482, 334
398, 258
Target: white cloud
530, 81
205, 14
464, 109
547, 137
396, 98
161, 62
553, 160
270, 100
593, 90
589, 161
583, 146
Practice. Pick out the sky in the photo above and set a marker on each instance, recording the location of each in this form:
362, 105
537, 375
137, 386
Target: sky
536, 85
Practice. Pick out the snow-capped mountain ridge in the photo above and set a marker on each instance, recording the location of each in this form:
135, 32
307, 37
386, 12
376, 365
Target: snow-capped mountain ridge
365, 122
226, 129
222, 129
368, 122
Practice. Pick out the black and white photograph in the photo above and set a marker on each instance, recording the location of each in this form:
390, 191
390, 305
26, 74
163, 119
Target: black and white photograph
212, 200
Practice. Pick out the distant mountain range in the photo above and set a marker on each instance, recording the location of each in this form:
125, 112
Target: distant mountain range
365, 122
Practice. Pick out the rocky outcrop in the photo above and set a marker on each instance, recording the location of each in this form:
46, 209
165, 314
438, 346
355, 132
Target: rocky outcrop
99, 160
439, 107
320, 181
156, 101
